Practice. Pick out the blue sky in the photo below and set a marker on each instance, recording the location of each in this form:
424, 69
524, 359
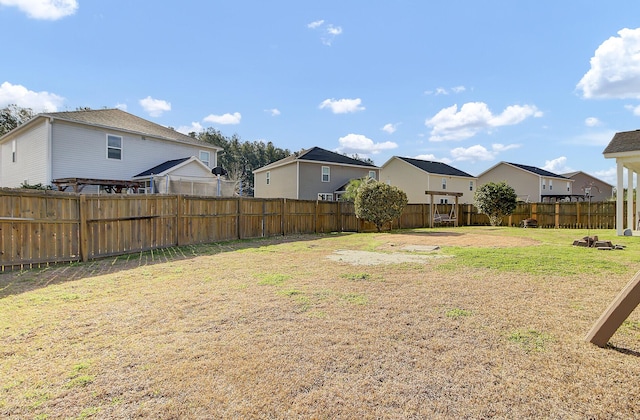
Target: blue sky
469, 83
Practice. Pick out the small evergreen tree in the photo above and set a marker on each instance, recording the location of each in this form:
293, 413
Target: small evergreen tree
379, 203
496, 200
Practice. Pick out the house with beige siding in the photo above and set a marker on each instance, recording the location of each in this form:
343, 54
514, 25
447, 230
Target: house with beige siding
312, 174
95, 150
533, 185
416, 176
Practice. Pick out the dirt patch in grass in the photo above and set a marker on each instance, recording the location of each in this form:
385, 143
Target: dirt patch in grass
274, 329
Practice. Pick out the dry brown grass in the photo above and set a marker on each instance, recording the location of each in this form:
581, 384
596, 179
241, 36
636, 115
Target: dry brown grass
274, 329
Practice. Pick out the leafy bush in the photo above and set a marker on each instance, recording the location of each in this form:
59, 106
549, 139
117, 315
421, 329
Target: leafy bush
496, 200
379, 203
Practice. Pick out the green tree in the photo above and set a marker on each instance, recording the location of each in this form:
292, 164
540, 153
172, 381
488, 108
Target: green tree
496, 200
240, 158
379, 203
13, 116
351, 190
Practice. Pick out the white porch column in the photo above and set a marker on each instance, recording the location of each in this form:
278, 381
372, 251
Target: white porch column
619, 198
630, 174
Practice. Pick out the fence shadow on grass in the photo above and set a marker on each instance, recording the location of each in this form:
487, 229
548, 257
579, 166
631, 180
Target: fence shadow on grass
28, 280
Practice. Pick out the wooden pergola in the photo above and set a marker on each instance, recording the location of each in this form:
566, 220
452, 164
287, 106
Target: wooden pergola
431, 194
110, 185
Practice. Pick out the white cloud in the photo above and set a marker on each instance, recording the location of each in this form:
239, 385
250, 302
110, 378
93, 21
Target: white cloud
342, 106
123, 107
390, 128
592, 138
480, 153
273, 111
357, 143
444, 91
224, 119
557, 165
592, 122
328, 31
154, 107
315, 24
473, 117
21, 96
429, 156
194, 127
634, 109
615, 68
44, 9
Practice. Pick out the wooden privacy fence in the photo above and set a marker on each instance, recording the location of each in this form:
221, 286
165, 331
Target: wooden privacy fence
41, 227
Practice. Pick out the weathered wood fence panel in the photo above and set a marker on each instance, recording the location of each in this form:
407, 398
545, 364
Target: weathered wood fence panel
41, 227
38, 228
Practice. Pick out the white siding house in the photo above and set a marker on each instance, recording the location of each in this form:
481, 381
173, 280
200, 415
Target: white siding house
107, 144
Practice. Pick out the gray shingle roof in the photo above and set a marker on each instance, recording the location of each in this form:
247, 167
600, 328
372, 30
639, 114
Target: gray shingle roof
625, 141
318, 154
432, 167
162, 167
535, 170
121, 120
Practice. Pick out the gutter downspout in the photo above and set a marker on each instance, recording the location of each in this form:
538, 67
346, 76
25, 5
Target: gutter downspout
49, 163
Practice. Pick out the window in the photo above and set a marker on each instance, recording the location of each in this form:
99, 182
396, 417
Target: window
372, 174
470, 185
444, 201
568, 187
444, 183
14, 156
205, 157
268, 177
550, 185
114, 147
544, 184
325, 196
326, 172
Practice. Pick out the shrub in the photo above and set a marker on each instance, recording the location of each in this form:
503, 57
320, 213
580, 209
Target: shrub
496, 200
379, 203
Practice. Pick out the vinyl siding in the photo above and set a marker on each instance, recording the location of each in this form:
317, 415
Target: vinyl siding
311, 178
414, 182
80, 151
31, 163
524, 183
282, 183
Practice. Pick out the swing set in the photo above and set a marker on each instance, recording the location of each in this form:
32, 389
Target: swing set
437, 217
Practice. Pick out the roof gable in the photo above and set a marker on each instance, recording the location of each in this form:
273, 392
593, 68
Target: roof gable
116, 119
164, 167
437, 168
625, 141
317, 154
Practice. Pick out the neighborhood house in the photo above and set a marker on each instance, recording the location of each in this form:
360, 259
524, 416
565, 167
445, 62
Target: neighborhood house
313, 174
106, 150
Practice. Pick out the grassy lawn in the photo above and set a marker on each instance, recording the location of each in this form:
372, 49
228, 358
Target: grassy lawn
275, 328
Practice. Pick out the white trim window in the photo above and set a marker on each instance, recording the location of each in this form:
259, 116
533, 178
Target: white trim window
568, 186
372, 174
325, 196
114, 147
544, 184
470, 185
550, 184
268, 177
205, 157
444, 183
326, 174
14, 151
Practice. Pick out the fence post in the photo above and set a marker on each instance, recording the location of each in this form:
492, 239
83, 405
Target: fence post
283, 224
179, 213
315, 218
557, 211
339, 215
84, 229
239, 217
